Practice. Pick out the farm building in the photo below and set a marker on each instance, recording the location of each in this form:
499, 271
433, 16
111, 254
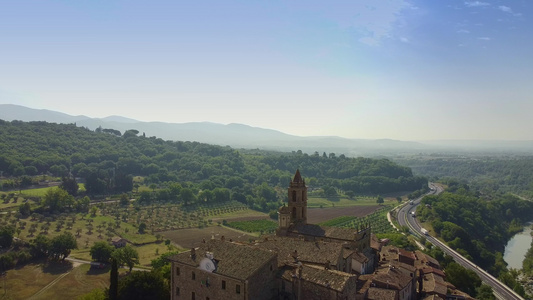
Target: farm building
118, 242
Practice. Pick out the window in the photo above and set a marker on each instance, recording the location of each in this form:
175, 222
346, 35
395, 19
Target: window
238, 289
193, 296
293, 196
223, 284
206, 298
178, 271
177, 291
193, 276
270, 267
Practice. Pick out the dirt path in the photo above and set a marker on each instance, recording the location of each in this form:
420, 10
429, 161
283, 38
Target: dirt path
48, 286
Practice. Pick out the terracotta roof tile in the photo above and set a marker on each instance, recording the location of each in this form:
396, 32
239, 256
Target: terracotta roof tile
375, 293
333, 279
323, 231
234, 260
307, 252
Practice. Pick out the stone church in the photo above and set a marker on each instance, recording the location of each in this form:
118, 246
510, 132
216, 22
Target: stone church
303, 261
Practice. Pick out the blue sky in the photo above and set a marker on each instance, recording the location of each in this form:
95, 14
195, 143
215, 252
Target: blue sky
409, 70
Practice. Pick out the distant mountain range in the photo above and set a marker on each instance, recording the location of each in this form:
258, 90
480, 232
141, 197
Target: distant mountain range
244, 136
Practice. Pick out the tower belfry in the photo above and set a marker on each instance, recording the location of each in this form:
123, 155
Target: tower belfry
298, 199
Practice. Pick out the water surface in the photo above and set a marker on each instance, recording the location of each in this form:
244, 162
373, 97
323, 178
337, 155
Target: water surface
517, 247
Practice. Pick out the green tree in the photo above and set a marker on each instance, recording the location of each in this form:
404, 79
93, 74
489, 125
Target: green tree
6, 236
465, 280
124, 199
61, 245
101, 252
40, 246
142, 228
57, 200
187, 196
70, 185
485, 292
127, 255
350, 194
95, 294
380, 200
143, 285
25, 209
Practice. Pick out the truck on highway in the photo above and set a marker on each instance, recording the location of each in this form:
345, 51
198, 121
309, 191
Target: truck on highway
413, 214
424, 231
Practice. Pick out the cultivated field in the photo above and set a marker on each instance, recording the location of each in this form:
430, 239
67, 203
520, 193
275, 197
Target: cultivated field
319, 215
188, 238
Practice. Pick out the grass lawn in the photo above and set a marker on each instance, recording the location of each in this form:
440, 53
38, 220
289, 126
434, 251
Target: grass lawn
146, 253
66, 281
39, 192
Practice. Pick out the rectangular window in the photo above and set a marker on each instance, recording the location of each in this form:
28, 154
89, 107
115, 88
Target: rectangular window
193, 296
178, 271
177, 291
193, 276
223, 284
238, 289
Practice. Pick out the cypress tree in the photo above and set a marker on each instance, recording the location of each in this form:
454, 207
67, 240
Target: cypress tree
113, 285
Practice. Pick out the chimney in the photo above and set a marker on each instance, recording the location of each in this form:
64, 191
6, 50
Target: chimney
295, 254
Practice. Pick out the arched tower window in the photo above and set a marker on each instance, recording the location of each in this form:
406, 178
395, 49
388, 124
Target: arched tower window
293, 213
293, 196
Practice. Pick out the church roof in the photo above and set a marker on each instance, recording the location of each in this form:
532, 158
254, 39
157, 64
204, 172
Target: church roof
284, 210
297, 177
332, 279
235, 260
324, 231
307, 252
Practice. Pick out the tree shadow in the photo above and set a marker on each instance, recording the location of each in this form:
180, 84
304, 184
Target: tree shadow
57, 267
98, 271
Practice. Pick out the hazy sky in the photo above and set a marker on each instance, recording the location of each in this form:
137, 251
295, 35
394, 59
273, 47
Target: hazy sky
410, 70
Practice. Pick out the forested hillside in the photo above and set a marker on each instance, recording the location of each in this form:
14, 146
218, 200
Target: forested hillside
107, 160
497, 173
476, 227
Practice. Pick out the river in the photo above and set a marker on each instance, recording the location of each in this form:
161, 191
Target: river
517, 247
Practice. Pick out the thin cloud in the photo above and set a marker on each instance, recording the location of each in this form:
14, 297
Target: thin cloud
405, 40
484, 38
463, 31
506, 9
476, 4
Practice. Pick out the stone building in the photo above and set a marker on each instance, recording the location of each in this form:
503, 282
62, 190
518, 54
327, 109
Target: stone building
306, 261
292, 220
224, 270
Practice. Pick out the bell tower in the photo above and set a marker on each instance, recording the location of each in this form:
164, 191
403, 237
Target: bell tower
298, 199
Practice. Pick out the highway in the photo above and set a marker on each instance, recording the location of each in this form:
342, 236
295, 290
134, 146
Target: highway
500, 290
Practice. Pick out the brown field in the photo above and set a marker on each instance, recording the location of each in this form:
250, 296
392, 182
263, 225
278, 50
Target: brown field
188, 238
56, 280
318, 215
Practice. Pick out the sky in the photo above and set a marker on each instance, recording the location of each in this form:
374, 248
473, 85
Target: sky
397, 69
